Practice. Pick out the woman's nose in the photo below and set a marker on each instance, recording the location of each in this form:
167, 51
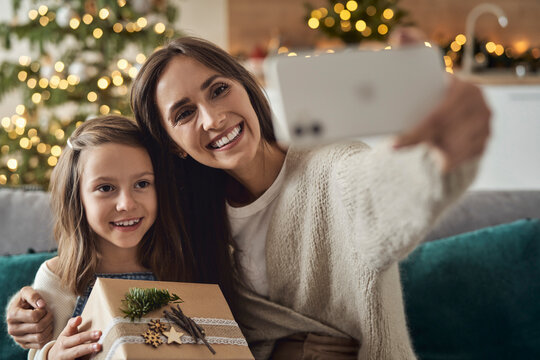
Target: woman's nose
126, 201
212, 118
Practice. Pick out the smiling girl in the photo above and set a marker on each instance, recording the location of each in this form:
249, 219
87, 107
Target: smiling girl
107, 224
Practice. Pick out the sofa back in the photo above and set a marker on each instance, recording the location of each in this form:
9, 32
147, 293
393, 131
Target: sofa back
481, 209
25, 221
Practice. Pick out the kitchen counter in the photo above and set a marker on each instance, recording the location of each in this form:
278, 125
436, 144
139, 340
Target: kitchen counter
500, 78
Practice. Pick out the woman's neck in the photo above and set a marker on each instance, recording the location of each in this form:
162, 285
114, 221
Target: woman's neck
249, 183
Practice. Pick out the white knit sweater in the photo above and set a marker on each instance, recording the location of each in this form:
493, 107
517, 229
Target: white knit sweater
60, 301
345, 216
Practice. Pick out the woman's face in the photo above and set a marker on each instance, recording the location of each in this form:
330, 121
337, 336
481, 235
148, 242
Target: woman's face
208, 115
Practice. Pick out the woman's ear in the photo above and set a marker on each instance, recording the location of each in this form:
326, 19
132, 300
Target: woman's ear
182, 154
177, 150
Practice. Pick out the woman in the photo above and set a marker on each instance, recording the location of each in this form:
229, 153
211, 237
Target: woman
316, 233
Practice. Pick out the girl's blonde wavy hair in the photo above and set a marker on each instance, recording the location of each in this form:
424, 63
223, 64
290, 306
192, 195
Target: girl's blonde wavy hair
162, 248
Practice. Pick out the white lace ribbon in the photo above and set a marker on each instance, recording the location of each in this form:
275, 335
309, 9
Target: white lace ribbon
200, 321
186, 339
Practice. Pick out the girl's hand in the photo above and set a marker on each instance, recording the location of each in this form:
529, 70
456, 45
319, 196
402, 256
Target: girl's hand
71, 344
28, 321
458, 127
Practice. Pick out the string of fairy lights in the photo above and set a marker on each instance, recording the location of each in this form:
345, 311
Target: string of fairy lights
319, 17
44, 79
341, 19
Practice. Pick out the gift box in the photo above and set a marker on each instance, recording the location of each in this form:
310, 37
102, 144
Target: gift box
122, 338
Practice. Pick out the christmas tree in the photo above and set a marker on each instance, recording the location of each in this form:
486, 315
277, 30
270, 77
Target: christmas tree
85, 54
356, 21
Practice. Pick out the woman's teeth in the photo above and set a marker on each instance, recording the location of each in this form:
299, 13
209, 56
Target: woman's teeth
127, 223
227, 138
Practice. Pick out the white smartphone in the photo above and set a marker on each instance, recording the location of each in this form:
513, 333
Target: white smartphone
352, 93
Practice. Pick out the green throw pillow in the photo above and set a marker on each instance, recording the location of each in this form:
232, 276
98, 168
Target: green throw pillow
16, 271
476, 295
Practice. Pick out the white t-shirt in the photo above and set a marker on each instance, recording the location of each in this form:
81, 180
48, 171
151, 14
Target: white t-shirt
249, 226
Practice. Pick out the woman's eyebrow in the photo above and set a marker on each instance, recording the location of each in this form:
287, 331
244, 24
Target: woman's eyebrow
177, 105
209, 81
185, 100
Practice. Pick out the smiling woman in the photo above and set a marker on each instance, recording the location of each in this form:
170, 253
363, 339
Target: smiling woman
302, 224
209, 116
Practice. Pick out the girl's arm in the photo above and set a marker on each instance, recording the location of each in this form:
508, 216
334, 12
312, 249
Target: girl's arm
59, 301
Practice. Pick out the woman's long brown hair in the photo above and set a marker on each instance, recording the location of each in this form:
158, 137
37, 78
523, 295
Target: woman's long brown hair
163, 249
202, 188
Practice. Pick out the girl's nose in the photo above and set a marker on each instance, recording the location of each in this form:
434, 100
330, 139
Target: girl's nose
126, 201
211, 118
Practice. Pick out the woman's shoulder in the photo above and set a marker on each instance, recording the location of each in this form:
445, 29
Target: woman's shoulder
328, 153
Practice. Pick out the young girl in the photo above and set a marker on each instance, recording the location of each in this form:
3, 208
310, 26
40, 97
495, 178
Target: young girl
107, 224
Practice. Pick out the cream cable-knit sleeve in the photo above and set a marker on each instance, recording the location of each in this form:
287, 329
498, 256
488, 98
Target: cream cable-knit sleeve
59, 300
394, 196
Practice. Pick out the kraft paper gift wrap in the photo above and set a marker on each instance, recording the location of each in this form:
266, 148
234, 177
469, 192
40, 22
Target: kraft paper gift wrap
122, 339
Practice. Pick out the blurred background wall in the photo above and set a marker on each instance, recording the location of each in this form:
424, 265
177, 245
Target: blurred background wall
252, 22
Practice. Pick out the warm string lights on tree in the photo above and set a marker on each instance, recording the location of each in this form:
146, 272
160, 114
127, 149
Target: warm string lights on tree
355, 21
489, 55
85, 54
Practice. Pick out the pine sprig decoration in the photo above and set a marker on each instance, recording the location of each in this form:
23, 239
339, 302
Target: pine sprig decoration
139, 302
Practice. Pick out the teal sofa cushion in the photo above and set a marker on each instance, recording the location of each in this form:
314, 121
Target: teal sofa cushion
476, 295
16, 271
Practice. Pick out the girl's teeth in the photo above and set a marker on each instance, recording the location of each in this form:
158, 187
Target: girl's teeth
127, 223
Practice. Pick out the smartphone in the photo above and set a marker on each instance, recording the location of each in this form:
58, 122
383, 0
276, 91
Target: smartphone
320, 98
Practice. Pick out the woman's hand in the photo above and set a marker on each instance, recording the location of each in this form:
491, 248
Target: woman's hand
72, 344
409, 35
28, 321
458, 127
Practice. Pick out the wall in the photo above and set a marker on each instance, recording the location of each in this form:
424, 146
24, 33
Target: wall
204, 18
443, 19
254, 22
512, 157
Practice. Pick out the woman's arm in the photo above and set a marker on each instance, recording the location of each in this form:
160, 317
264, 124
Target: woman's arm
34, 311
29, 322
394, 196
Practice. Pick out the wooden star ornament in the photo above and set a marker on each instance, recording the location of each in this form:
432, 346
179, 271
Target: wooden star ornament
173, 336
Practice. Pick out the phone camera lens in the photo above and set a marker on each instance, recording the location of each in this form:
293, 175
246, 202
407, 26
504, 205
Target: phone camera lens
316, 129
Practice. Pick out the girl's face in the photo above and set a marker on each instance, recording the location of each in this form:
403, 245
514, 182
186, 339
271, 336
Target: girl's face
208, 115
118, 193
